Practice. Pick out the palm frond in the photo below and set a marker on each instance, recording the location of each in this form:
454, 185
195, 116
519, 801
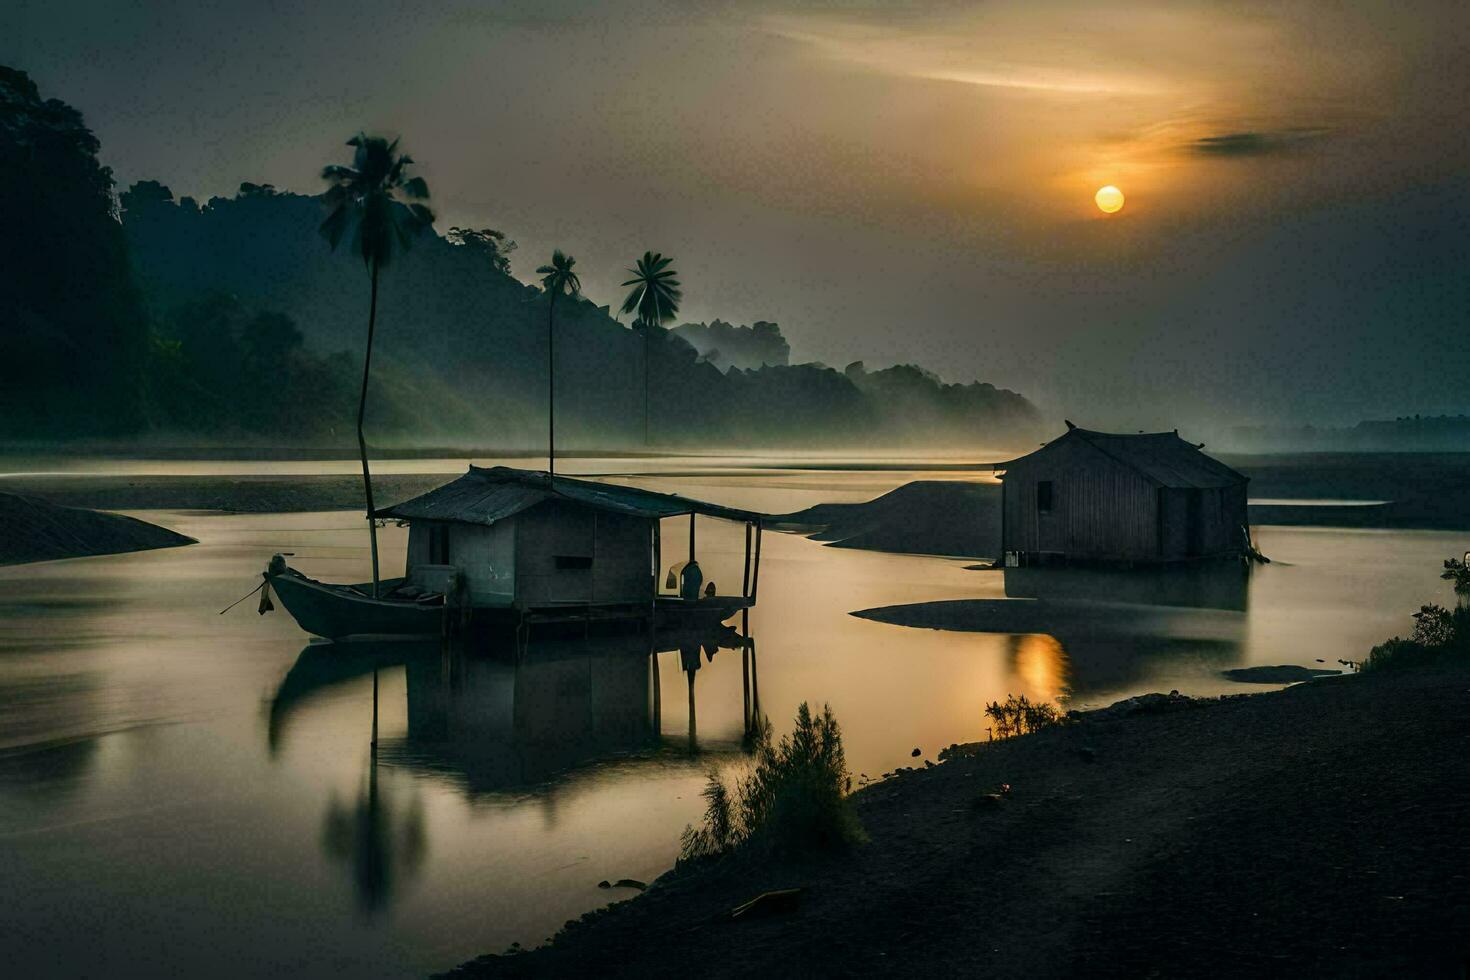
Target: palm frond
362, 198
335, 225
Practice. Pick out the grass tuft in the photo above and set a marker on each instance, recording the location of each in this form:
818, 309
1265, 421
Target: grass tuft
1018, 716
792, 800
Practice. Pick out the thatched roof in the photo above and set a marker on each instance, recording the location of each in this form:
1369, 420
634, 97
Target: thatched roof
486, 495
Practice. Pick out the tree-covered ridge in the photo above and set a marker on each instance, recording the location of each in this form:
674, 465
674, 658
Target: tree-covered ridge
726, 345
233, 319
73, 336
452, 316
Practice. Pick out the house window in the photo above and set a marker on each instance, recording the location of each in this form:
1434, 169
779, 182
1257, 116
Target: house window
1043, 496
567, 563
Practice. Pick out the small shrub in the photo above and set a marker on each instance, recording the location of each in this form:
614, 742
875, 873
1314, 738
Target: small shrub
1396, 654
1434, 626
1457, 571
1018, 716
1439, 634
793, 799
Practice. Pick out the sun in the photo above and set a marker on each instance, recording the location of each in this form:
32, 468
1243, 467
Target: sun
1109, 199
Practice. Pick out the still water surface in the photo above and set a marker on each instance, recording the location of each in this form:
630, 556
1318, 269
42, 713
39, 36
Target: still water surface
188, 793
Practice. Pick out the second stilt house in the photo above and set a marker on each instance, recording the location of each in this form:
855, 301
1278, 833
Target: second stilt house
1101, 497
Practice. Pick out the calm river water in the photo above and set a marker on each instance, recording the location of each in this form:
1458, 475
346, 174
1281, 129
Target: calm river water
186, 793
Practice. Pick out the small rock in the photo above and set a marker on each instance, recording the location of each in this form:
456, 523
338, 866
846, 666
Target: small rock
769, 903
916, 753
630, 883
604, 883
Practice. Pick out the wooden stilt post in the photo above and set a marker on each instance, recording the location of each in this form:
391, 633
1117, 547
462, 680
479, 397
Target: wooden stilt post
658, 565
691, 536
755, 579
658, 706
755, 684
745, 585
745, 685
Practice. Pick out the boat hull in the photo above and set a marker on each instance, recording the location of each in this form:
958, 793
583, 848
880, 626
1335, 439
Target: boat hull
337, 612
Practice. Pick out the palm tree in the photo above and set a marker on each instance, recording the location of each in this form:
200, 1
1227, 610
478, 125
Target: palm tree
557, 278
655, 298
377, 201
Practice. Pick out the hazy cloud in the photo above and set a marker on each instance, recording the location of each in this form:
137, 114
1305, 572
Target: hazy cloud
1260, 143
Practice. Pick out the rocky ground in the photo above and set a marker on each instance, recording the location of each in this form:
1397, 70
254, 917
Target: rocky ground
1314, 831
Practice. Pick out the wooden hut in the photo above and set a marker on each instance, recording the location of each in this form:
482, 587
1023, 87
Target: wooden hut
1100, 497
521, 540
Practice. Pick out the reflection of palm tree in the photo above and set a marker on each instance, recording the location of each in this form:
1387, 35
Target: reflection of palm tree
557, 278
377, 201
380, 843
655, 297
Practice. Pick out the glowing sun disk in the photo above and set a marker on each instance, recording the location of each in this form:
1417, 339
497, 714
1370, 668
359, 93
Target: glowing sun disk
1109, 199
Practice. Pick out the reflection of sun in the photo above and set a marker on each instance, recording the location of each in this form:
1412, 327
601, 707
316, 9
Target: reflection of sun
1042, 667
1109, 199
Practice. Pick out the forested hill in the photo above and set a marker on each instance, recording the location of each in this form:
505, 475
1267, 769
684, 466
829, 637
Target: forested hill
233, 319
464, 341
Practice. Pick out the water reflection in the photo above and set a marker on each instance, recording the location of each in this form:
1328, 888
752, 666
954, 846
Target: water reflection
1097, 629
1199, 585
380, 837
516, 720
1078, 632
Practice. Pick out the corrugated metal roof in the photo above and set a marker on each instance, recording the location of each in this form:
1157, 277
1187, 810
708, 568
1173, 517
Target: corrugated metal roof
1161, 457
485, 495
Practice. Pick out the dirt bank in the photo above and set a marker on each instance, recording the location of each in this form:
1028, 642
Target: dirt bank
1315, 831
39, 530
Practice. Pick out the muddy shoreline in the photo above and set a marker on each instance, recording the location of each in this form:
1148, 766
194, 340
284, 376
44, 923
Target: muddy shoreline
1315, 830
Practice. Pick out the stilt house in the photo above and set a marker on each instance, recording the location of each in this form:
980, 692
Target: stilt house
1099, 497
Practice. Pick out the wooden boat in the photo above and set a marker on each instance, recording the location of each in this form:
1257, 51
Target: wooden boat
343, 612
340, 611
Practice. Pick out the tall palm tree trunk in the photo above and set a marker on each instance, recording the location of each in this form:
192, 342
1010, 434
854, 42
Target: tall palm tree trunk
367, 477
551, 385
646, 332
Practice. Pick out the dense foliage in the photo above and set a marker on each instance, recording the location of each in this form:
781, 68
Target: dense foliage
725, 345
793, 799
99, 298
73, 336
1439, 633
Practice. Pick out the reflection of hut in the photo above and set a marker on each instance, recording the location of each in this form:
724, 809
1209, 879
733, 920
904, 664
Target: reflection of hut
504, 724
1100, 497
1204, 585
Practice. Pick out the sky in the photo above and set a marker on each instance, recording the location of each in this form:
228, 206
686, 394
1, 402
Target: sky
897, 182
